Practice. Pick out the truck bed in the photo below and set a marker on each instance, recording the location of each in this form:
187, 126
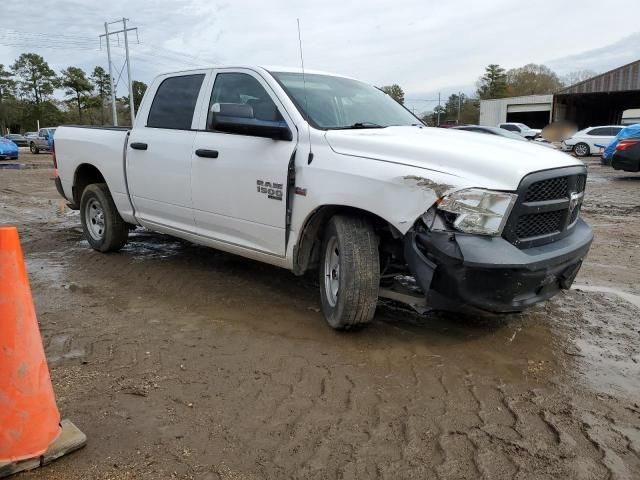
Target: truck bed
101, 147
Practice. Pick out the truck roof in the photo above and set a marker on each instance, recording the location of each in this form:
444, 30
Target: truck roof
269, 68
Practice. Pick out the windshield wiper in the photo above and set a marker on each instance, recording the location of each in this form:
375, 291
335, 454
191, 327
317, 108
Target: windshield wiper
361, 125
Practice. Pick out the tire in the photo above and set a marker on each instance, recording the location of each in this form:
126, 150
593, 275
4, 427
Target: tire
34, 148
582, 149
103, 226
349, 272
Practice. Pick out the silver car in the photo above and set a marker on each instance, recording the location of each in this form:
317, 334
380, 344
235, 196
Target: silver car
41, 141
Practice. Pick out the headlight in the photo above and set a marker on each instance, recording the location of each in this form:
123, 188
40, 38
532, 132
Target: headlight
482, 212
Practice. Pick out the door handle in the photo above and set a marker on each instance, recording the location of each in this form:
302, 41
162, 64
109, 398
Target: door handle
139, 146
201, 152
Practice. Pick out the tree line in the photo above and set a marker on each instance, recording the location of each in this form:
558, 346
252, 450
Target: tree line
27, 90
496, 82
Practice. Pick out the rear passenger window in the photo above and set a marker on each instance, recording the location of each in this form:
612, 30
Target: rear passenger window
614, 131
175, 102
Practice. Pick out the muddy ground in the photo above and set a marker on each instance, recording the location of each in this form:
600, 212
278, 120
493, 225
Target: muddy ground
183, 362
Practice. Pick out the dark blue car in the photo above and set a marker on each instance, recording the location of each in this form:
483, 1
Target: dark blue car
8, 149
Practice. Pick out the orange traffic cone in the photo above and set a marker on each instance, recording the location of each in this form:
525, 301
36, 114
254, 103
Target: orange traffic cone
31, 434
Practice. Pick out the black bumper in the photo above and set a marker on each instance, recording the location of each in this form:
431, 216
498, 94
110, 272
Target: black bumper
468, 273
627, 163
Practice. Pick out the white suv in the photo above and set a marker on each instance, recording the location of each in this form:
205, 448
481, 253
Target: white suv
521, 129
583, 143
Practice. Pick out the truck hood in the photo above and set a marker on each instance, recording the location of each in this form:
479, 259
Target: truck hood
480, 160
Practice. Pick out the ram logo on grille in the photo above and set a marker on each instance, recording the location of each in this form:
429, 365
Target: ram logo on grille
574, 201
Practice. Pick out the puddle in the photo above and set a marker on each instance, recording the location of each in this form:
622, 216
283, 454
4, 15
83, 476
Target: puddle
629, 297
46, 269
144, 245
24, 166
604, 334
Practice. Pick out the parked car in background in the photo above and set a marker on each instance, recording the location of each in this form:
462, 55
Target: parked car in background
42, 141
448, 124
8, 149
628, 132
521, 129
501, 132
18, 139
30, 134
583, 143
627, 155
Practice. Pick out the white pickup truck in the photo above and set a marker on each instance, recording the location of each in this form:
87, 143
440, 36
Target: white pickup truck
318, 171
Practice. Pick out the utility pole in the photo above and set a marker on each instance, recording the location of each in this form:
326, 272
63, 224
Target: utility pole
439, 108
459, 106
126, 49
113, 90
107, 34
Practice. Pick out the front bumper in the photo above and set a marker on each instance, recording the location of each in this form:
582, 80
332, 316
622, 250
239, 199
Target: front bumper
565, 148
474, 273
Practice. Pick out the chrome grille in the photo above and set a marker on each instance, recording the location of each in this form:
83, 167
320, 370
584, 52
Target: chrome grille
545, 210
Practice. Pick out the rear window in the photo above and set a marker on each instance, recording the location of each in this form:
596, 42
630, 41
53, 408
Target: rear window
175, 102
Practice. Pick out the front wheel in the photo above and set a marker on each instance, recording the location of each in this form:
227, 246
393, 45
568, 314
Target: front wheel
103, 226
349, 272
582, 150
34, 149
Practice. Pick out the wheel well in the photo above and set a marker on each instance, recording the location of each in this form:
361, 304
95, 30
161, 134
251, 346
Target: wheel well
306, 253
85, 175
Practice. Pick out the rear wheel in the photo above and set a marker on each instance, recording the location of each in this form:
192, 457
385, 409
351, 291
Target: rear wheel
582, 150
103, 226
34, 148
349, 272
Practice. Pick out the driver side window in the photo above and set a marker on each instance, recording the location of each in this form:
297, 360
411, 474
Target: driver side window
243, 89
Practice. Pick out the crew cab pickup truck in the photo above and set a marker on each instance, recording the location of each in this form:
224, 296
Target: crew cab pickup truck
41, 141
312, 171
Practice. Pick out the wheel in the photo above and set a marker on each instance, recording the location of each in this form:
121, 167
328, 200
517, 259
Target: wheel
34, 149
103, 226
349, 272
582, 149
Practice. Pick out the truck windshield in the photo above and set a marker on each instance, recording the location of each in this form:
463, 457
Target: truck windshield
332, 103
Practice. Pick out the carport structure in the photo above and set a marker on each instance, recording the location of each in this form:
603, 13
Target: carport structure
600, 100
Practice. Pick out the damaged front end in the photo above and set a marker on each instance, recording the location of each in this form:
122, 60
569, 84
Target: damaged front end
500, 252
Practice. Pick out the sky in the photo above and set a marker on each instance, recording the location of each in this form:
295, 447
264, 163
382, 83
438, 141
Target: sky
425, 46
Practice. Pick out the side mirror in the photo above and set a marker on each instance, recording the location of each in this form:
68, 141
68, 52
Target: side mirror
239, 118
239, 110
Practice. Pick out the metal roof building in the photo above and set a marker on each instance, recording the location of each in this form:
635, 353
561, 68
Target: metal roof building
600, 100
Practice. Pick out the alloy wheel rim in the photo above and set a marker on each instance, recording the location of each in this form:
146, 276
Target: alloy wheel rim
332, 271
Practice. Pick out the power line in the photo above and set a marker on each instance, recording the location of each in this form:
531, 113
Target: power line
107, 36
